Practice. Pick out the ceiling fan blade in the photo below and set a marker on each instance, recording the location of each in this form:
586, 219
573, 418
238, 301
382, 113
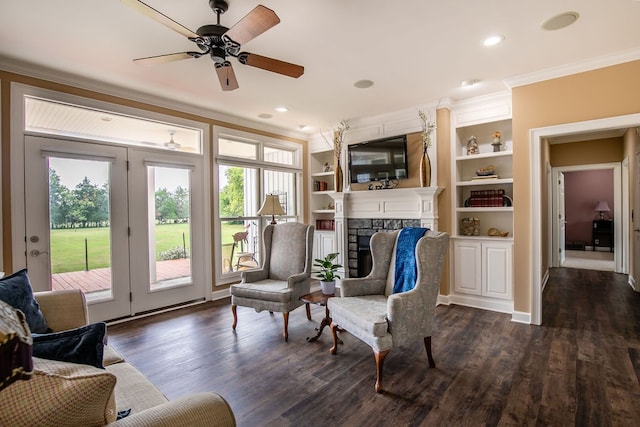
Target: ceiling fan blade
163, 59
254, 23
226, 76
270, 64
145, 9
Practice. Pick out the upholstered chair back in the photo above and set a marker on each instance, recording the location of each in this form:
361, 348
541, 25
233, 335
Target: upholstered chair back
287, 249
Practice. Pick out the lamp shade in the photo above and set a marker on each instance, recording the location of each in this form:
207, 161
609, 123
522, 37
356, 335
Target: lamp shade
271, 206
602, 206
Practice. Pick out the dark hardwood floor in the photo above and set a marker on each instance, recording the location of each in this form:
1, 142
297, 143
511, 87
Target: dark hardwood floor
581, 367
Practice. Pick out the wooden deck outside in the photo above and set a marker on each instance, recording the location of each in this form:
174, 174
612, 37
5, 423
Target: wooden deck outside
99, 279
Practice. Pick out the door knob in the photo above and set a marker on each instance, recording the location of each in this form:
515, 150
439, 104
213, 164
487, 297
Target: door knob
36, 252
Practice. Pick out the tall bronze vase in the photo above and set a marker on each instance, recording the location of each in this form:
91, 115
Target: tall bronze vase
337, 176
425, 170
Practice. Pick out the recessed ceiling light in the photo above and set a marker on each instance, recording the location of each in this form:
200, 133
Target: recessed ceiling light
302, 127
561, 21
281, 109
363, 84
493, 40
106, 118
468, 83
265, 116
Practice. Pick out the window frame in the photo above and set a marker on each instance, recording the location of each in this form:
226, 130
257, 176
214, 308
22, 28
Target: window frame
261, 166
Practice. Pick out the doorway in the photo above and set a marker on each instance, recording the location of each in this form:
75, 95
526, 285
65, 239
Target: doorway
117, 222
575, 192
537, 140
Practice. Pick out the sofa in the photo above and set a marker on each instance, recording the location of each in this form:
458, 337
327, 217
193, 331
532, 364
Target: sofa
62, 393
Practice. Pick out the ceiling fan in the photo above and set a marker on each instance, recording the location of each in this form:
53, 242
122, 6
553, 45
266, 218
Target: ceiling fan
220, 42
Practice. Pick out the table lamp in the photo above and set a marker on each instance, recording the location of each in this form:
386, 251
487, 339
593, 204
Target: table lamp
271, 206
602, 207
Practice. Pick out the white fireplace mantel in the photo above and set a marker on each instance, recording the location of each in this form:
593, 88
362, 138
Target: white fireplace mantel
398, 203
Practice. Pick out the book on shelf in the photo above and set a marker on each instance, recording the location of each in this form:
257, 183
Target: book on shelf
325, 224
486, 198
319, 186
485, 177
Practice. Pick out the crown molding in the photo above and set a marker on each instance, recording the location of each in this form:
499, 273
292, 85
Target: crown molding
573, 68
15, 66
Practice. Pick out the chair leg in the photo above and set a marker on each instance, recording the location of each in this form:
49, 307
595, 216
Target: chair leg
379, 355
285, 316
427, 345
334, 333
308, 311
235, 316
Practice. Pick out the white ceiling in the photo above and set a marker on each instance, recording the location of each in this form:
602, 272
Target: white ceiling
415, 51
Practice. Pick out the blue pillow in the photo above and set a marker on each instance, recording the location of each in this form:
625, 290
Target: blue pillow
16, 291
83, 345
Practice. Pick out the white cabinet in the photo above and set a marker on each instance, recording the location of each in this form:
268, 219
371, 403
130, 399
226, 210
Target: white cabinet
483, 268
482, 206
323, 244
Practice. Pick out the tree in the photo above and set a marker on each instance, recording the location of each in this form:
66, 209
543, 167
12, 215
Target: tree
90, 204
165, 206
181, 197
232, 194
60, 201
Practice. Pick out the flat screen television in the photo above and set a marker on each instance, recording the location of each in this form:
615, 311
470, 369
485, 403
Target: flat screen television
378, 160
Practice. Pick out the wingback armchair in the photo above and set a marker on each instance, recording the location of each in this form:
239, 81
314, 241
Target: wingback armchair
285, 274
369, 310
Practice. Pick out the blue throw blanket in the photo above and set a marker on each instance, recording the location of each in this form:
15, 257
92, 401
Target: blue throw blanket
406, 269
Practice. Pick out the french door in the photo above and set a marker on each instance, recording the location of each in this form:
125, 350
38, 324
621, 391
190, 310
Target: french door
123, 234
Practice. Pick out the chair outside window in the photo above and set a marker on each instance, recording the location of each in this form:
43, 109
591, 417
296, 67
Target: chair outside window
284, 276
369, 310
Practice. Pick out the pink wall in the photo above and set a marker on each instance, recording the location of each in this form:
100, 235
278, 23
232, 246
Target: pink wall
582, 191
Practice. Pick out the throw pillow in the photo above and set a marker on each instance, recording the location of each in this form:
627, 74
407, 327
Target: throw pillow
83, 345
15, 346
60, 394
16, 291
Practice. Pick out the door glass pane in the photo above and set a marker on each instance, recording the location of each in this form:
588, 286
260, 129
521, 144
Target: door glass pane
169, 227
80, 234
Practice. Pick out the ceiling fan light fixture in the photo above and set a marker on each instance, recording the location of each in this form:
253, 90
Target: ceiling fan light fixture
172, 145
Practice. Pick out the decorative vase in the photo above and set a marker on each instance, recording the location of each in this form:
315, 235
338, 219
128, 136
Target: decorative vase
425, 170
338, 179
328, 288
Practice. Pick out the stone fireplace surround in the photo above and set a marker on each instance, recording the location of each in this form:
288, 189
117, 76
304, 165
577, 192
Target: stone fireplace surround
362, 213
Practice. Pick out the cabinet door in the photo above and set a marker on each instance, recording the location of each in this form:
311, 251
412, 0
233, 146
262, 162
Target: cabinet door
497, 278
323, 244
467, 275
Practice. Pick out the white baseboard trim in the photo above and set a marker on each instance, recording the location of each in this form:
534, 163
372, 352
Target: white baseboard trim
521, 317
633, 283
545, 280
442, 300
221, 294
482, 302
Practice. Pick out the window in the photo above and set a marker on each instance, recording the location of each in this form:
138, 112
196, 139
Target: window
249, 167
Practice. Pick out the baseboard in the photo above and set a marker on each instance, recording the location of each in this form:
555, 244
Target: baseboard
521, 317
221, 294
482, 303
633, 284
545, 280
442, 300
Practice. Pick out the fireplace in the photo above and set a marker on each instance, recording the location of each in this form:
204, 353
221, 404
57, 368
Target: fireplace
359, 214
360, 231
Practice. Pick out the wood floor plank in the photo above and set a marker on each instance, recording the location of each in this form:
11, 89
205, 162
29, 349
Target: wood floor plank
581, 367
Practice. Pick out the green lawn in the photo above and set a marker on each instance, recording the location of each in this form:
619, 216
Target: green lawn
68, 247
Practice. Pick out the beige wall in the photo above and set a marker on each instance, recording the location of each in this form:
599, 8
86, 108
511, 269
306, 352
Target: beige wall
606, 92
587, 152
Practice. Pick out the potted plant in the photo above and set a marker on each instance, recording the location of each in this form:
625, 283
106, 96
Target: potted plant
327, 273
